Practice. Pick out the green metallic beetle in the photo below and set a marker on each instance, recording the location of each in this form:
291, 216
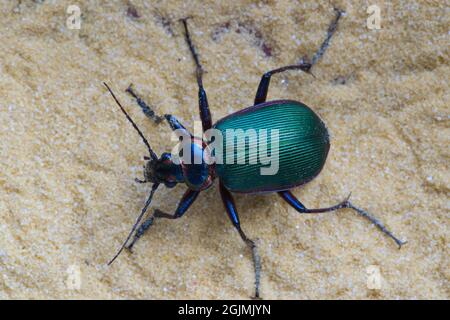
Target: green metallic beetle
302, 148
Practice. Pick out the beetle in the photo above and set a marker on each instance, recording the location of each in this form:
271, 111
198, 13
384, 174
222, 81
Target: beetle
303, 149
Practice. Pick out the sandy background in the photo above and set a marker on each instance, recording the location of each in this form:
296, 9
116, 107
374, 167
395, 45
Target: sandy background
69, 158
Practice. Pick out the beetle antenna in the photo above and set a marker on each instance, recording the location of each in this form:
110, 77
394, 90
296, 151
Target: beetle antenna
138, 220
152, 153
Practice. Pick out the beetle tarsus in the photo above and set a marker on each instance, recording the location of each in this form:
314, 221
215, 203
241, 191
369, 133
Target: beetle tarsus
140, 231
199, 68
256, 262
297, 205
257, 265
205, 114
136, 224
376, 222
184, 204
330, 32
147, 224
144, 106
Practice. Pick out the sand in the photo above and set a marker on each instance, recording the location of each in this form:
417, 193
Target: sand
69, 157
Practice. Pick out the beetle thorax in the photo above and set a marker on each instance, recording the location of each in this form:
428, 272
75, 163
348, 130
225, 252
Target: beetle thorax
198, 172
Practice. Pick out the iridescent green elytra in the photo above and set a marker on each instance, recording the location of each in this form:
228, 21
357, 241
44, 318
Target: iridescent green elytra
303, 147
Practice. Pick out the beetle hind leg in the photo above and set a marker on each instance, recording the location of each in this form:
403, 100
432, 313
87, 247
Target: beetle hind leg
256, 261
376, 222
297, 205
263, 88
230, 207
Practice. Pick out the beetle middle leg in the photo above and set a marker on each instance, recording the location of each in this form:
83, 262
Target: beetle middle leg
205, 114
186, 201
330, 32
297, 205
230, 207
263, 88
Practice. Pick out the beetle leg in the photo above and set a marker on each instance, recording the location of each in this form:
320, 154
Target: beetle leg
297, 205
184, 204
230, 207
331, 31
140, 181
144, 106
263, 88
261, 93
205, 114
173, 122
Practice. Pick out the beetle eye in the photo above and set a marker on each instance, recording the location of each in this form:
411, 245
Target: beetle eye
166, 156
170, 184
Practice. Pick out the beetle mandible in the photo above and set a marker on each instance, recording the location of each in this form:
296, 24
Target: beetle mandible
303, 149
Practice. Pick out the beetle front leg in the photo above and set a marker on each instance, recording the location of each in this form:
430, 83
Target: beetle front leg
186, 201
144, 106
230, 207
173, 122
297, 205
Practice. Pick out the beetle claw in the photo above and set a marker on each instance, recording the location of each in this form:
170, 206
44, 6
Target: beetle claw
130, 87
346, 203
186, 18
348, 197
400, 243
309, 72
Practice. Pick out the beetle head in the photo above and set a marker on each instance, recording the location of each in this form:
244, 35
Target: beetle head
161, 170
